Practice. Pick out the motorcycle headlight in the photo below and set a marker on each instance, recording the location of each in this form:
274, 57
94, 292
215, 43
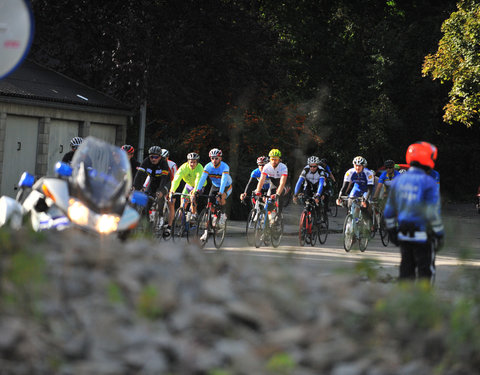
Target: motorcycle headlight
107, 223
78, 212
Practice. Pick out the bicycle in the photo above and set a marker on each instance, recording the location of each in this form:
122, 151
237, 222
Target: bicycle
157, 216
332, 206
269, 225
313, 225
253, 215
355, 226
378, 223
183, 224
208, 223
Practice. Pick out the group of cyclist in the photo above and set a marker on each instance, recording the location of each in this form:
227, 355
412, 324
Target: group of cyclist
410, 200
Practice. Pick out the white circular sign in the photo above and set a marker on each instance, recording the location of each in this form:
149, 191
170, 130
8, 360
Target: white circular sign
16, 34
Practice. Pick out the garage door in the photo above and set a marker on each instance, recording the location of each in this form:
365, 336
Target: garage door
20, 151
104, 132
61, 132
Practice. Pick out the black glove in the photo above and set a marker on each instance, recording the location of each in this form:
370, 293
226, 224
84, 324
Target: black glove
393, 236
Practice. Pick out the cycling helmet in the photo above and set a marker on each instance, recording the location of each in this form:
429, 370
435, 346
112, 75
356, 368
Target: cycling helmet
313, 160
422, 153
323, 162
76, 141
128, 149
155, 150
275, 153
262, 160
193, 156
165, 153
389, 163
359, 160
214, 152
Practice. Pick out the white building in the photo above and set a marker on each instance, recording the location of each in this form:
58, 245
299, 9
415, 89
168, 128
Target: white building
40, 111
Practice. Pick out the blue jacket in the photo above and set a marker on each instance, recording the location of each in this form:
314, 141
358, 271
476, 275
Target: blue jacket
414, 203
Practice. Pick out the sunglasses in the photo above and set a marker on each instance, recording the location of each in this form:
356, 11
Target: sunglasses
214, 158
274, 159
314, 166
154, 156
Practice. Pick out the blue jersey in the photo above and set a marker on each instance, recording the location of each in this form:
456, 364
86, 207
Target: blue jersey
386, 180
435, 175
414, 201
360, 181
219, 176
257, 174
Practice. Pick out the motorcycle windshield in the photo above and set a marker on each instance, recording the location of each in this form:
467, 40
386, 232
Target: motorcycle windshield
101, 174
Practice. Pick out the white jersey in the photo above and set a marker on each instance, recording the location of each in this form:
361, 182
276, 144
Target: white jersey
275, 173
173, 168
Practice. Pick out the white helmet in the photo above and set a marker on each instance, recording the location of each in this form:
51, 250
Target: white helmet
359, 160
313, 160
165, 153
214, 152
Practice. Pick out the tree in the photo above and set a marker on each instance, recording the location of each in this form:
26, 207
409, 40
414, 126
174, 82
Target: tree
457, 60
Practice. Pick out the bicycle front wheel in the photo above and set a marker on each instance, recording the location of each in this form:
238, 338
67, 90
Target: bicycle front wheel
250, 229
202, 227
302, 229
259, 229
383, 232
276, 230
179, 225
219, 231
323, 229
348, 236
333, 207
364, 234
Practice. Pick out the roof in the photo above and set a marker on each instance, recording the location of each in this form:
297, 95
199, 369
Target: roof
33, 81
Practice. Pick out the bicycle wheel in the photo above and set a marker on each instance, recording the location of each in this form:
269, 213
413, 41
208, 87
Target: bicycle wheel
259, 229
179, 225
333, 208
364, 234
276, 230
302, 229
165, 215
374, 224
348, 236
314, 229
383, 231
219, 232
156, 222
202, 227
323, 229
250, 228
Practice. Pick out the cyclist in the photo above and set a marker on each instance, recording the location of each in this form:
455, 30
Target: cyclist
219, 174
172, 166
75, 142
190, 172
311, 182
386, 178
256, 173
134, 164
412, 214
328, 191
155, 167
362, 180
278, 174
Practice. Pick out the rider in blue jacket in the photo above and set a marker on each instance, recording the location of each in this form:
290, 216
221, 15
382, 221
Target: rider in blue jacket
412, 214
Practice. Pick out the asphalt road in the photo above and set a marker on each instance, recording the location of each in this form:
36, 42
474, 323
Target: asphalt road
462, 246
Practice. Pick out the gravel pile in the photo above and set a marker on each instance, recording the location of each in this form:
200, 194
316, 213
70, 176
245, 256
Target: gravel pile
75, 304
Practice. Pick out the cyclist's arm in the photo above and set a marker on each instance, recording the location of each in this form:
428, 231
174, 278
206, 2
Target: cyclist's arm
378, 190
224, 181
345, 186
321, 182
281, 185
140, 177
299, 185
261, 181
202, 180
247, 187
176, 179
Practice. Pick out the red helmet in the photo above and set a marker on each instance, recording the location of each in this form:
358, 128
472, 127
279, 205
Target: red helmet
128, 149
262, 160
423, 153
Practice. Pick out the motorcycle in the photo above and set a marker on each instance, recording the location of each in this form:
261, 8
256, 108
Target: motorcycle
93, 194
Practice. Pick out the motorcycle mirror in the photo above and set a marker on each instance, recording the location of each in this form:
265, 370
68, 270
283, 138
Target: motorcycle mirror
63, 169
26, 180
139, 198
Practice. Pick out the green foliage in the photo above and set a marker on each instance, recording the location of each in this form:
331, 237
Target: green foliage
115, 294
368, 267
148, 304
281, 364
457, 61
